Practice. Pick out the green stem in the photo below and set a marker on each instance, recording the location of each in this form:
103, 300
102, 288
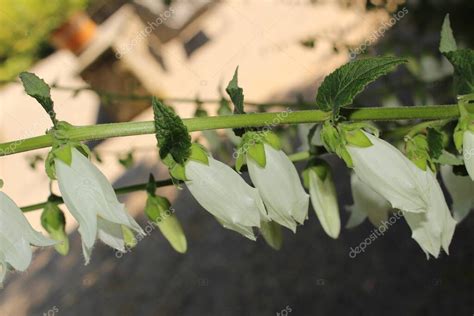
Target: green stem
102, 131
299, 156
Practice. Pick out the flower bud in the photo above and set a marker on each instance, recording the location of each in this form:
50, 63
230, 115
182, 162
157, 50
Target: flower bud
158, 210
318, 179
54, 222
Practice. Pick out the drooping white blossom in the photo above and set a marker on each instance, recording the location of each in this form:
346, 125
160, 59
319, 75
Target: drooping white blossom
223, 193
280, 187
16, 236
414, 191
389, 173
468, 152
324, 201
367, 203
92, 201
434, 228
461, 189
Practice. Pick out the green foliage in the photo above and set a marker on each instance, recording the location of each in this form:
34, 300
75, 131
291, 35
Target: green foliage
447, 42
463, 63
236, 94
461, 59
341, 86
36, 88
434, 138
171, 134
26, 25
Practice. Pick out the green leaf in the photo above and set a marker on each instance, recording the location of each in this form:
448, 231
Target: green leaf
273, 140
341, 87
198, 153
236, 94
357, 138
463, 63
447, 42
435, 142
64, 154
171, 133
36, 88
447, 158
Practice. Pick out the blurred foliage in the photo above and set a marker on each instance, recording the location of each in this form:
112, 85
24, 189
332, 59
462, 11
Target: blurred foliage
26, 26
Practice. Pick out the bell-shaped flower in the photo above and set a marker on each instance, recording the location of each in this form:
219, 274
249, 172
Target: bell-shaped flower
388, 172
92, 201
434, 228
367, 203
461, 189
414, 191
318, 179
16, 236
468, 152
276, 178
222, 192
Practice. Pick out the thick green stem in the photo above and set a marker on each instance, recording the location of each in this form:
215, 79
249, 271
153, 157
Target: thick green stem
102, 131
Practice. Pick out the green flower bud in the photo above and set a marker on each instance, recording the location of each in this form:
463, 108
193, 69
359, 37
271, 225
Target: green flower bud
158, 211
54, 222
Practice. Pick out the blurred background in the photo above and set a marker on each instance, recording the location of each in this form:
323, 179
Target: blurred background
104, 58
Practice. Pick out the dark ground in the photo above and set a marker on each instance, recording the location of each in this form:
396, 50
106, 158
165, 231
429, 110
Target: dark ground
226, 274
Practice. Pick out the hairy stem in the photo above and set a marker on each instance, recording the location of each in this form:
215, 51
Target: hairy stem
102, 131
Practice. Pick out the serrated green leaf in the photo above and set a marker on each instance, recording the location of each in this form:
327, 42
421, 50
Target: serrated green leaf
236, 93
341, 86
435, 142
447, 42
463, 63
171, 133
36, 88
